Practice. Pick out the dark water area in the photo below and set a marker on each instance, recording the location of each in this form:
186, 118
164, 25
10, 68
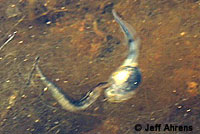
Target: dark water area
80, 45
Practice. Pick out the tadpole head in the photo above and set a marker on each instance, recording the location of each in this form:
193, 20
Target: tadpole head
123, 88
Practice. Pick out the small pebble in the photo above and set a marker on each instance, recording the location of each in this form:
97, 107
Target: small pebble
188, 110
56, 122
182, 33
179, 107
37, 120
62, 8
57, 79
32, 36
25, 59
28, 129
174, 91
45, 89
8, 107
65, 81
20, 42
24, 96
30, 27
48, 23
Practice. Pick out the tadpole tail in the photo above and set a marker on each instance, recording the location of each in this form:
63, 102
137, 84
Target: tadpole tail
64, 100
132, 40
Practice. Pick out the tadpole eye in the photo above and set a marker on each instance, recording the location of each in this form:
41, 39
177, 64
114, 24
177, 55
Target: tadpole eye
130, 40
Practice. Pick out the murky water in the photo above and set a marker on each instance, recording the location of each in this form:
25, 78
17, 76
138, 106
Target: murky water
80, 46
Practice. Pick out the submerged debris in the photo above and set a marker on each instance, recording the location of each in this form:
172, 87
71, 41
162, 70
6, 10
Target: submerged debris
192, 88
